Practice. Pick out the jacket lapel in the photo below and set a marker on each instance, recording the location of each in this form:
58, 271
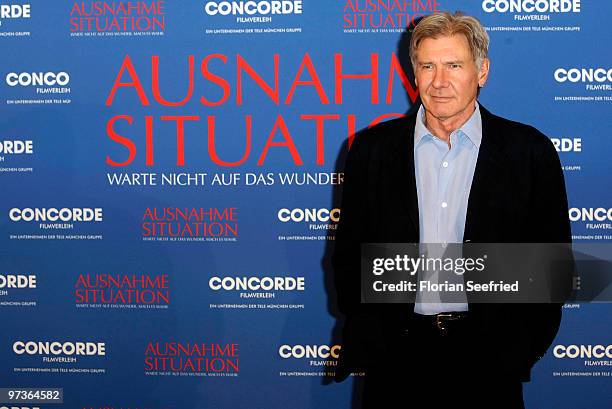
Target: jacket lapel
488, 165
406, 171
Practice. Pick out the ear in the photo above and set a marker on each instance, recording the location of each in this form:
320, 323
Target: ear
483, 74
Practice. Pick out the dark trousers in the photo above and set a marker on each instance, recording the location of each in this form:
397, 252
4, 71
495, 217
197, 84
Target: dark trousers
421, 368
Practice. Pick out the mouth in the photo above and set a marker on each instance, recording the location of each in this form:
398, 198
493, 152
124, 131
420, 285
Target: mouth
441, 99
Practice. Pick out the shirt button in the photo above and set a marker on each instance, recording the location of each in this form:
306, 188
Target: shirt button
444, 204
445, 164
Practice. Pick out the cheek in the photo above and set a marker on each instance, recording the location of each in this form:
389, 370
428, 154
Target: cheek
469, 83
464, 85
422, 80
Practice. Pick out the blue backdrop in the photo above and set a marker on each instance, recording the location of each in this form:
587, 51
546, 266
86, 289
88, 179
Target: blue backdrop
156, 156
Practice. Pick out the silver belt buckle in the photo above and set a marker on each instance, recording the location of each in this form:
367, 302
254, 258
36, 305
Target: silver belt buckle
441, 324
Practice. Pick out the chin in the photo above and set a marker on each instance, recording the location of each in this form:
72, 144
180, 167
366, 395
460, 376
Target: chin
440, 112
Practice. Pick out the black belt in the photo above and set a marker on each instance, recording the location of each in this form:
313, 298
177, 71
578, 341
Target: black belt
444, 323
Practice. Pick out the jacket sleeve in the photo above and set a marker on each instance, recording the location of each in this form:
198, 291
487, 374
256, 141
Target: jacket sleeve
349, 233
550, 222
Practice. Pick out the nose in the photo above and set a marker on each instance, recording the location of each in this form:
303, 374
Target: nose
440, 79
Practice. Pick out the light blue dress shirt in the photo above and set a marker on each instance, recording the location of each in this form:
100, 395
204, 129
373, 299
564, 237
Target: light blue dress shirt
443, 177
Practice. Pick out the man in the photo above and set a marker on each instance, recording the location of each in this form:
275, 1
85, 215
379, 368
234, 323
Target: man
451, 173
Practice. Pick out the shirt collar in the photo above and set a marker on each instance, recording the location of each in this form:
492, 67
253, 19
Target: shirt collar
472, 128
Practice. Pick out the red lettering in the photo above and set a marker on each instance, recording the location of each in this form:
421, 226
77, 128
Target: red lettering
120, 140
280, 123
212, 150
157, 93
320, 144
339, 77
180, 135
397, 67
242, 65
307, 62
135, 83
225, 86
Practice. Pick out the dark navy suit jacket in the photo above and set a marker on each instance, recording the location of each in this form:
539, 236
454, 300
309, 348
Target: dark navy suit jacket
517, 196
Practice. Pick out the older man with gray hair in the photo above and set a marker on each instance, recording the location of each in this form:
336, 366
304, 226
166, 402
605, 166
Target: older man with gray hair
451, 173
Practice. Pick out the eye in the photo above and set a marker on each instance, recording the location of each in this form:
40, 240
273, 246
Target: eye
454, 66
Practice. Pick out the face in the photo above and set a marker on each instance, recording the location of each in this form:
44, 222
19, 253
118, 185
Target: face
447, 76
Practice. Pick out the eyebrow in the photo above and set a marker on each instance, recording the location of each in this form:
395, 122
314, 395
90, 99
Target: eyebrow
445, 62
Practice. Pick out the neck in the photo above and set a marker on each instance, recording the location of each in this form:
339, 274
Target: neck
442, 127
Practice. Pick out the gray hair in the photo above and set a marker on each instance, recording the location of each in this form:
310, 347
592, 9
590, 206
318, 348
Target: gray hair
443, 24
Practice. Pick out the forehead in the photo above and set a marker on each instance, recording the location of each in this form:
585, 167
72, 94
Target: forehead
454, 47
